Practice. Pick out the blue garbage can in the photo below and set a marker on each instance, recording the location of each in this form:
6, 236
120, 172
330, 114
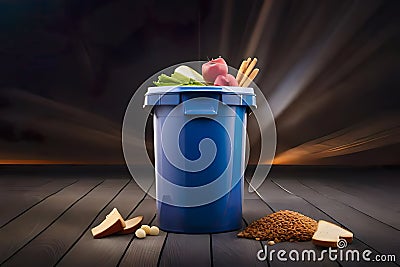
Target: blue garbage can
199, 149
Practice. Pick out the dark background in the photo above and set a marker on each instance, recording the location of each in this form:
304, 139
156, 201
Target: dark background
329, 69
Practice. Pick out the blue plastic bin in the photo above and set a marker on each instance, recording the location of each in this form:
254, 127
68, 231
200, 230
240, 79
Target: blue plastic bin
196, 126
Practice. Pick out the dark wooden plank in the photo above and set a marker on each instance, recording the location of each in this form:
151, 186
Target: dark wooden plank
383, 213
148, 249
24, 228
49, 246
106, 251
255, 208
278, 199
186, 250
369, 233
380, 192
229, 250
144, 252
12, 182
25, 194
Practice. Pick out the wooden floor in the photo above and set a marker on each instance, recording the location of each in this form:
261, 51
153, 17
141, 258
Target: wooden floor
46, 220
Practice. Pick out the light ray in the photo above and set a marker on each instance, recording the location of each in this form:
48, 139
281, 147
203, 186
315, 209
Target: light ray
378, 132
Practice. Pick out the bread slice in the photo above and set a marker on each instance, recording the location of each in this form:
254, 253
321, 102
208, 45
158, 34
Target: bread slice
132, 225
328, 234
112, 224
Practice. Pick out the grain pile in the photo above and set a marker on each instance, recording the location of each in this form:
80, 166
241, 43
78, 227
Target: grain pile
284, 225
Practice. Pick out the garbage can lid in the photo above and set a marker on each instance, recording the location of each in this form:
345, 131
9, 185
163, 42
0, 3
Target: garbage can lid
170, 95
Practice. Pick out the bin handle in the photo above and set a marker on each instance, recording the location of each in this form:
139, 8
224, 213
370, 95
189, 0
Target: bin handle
201, 106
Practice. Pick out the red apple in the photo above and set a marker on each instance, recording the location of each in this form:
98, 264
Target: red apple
213, 68
227, 80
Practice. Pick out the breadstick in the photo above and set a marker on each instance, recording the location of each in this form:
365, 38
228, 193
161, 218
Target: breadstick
250, 68
248, 60
242, 69
253, 74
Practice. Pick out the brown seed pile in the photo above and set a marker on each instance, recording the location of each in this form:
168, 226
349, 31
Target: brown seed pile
284, 225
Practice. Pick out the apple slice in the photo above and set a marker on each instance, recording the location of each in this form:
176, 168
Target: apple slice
328, 234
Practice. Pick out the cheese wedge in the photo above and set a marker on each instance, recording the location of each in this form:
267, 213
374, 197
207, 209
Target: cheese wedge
328, 234
112, 224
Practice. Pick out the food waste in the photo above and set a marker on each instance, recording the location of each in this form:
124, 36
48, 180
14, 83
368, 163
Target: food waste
114, 223
214, 72
284, 225
287, 225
